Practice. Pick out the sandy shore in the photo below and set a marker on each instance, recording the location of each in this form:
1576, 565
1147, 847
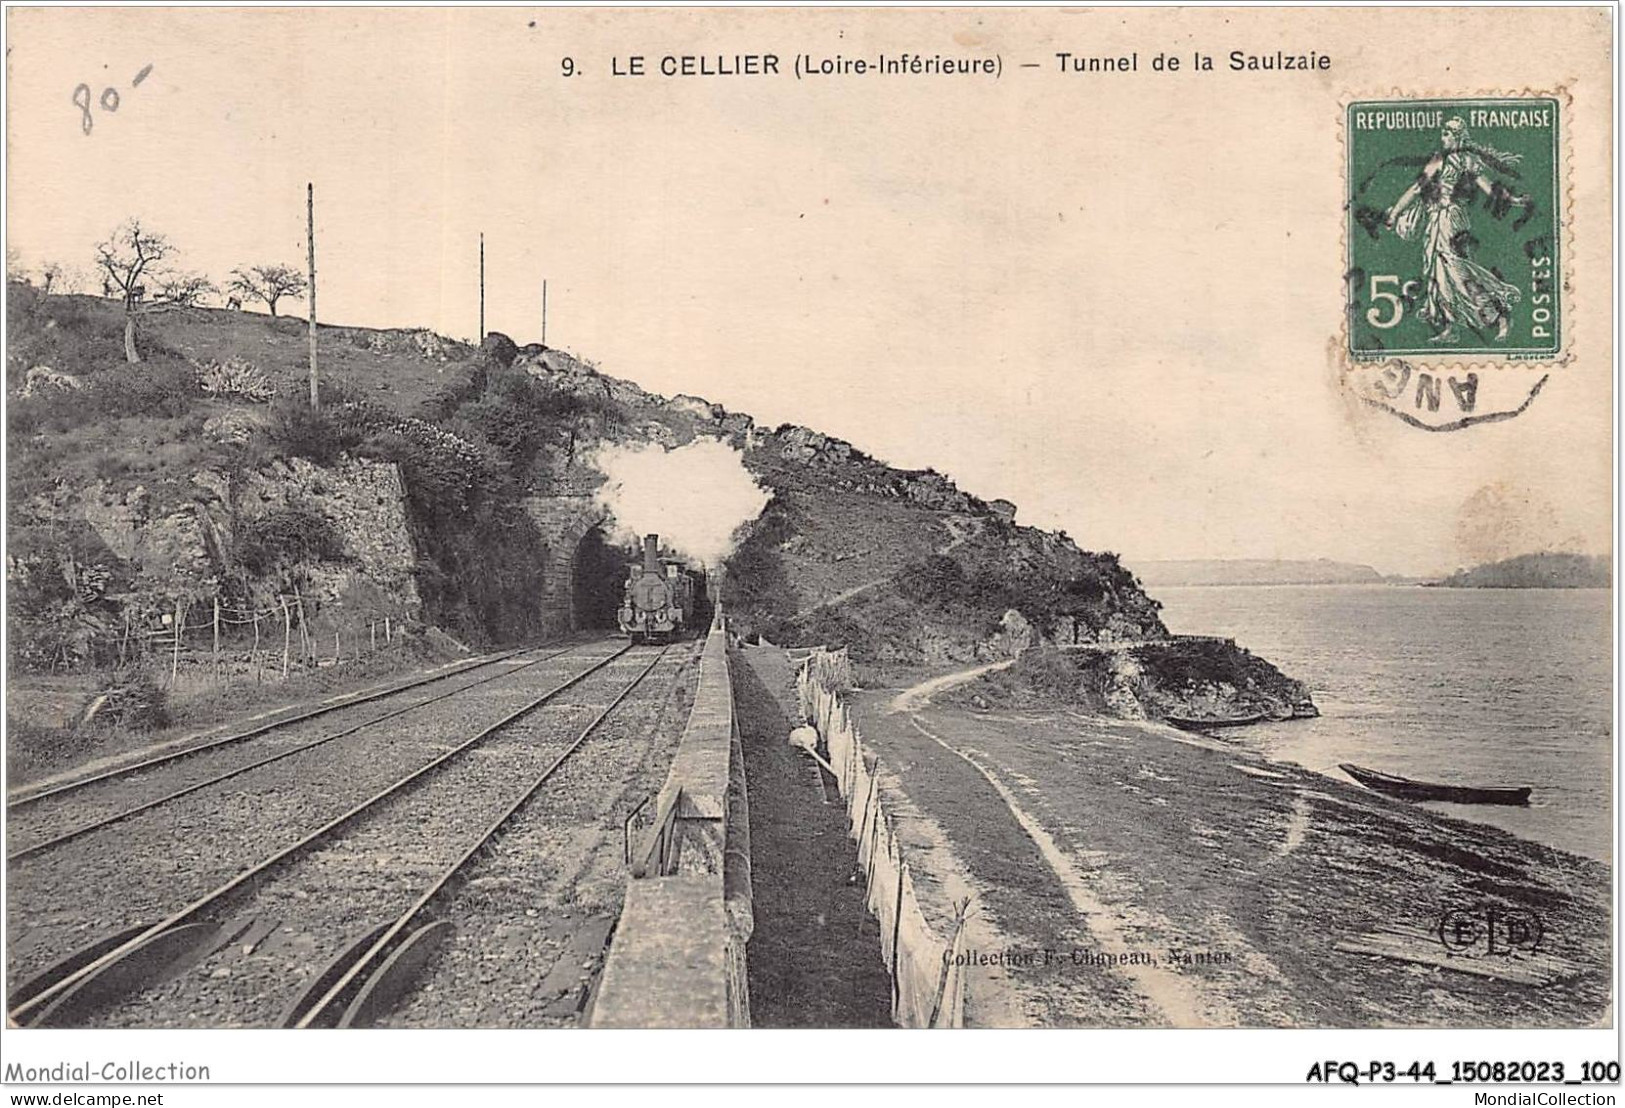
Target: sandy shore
1128, 874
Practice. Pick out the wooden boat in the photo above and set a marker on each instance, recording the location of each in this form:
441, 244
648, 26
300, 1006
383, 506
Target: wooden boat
1193, 723
1405, 789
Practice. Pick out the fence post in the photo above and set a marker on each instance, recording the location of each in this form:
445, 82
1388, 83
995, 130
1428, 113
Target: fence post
306, 651
372, 629
175, 655
256, 613
874, 847
386, 630
217, 638
335, 646
287, 635
897, 927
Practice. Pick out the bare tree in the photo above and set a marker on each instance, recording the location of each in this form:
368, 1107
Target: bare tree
56, 278
268, 283
186, 290
70, 280
130, 259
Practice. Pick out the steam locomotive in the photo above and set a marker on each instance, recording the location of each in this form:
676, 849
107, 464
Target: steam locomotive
660, 599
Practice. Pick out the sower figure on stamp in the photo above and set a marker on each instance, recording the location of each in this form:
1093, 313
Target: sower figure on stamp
1456, 289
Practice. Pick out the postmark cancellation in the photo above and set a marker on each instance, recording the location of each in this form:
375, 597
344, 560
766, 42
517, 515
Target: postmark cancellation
1454, 259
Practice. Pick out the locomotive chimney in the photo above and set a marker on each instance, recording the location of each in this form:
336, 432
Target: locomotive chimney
651, 553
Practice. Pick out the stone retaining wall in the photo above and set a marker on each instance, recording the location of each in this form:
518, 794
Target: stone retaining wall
678, 959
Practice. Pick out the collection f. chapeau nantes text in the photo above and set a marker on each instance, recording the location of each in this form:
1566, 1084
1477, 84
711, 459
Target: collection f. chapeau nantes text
905, 64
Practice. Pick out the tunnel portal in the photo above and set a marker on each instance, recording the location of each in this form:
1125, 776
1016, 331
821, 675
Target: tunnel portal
598, 574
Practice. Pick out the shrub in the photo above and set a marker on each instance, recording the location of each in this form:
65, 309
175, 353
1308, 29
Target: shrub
826, 627
57, 585
759, 594
478, 571
235, 377
157, 389
22, 299
1049, 672
286, 537
518, 415
938, 577
130, 700
464, 387
299, 431
1184, 663
443, 471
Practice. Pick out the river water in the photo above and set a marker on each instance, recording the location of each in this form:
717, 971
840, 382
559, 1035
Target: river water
1463, 686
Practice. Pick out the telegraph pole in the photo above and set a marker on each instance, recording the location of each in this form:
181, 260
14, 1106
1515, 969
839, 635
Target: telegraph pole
482, 286
310, 238
544, 311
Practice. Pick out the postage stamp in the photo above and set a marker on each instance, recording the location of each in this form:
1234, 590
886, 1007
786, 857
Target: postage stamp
1454, 254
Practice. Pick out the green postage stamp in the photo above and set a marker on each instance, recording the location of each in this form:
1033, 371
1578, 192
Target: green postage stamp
1454, 220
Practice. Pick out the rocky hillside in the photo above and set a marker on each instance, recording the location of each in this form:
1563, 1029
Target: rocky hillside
912, 570
439, 485
183, 480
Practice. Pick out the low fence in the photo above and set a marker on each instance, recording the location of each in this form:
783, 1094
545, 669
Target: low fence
218, 641
223, 639
678, 958
928, 983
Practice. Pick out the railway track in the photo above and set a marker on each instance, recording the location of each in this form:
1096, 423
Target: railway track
137, 869
24, 795
501, 897
263, 935
90, 804
533, 917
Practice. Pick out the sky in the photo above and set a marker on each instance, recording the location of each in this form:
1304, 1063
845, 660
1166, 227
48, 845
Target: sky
1114, 300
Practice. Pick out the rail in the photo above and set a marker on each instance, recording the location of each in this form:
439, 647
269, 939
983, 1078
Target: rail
30, 794
39, 1007
116, 817
334, 1004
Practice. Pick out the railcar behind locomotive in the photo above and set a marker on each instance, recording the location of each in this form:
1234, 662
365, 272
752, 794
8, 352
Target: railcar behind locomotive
659, 600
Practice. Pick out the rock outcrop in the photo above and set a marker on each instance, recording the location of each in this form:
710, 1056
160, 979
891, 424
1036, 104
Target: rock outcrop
42, 377
182, 548
499, 348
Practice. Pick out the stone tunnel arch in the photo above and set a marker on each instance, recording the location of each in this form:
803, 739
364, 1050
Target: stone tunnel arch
562, 522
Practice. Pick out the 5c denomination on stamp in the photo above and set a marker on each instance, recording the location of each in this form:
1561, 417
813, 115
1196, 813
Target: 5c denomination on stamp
1454, 255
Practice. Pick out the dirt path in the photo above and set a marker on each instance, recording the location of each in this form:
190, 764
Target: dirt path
841, 597
916, 697
1222, 889
1179, 1001
1165, 996
962, 528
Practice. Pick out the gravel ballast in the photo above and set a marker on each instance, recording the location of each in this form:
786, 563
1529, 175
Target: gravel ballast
143, 868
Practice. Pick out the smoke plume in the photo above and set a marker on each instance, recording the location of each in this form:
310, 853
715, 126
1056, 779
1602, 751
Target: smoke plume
695, 497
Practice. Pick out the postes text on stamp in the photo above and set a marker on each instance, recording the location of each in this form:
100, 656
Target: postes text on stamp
1453, 254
